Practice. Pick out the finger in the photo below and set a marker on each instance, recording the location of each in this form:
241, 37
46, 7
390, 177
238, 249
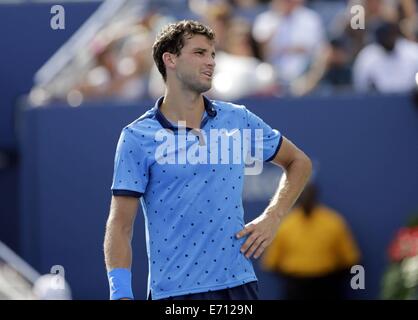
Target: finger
248, 229
253, 248
248, 243
260, 249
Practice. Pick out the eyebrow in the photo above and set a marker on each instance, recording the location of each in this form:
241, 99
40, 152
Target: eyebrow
204, 50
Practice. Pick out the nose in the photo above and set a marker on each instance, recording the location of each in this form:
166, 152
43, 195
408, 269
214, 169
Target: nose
211, 62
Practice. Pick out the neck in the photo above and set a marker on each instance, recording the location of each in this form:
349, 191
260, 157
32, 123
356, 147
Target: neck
180, 105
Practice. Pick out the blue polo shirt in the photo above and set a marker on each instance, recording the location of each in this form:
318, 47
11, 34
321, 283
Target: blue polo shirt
190, 184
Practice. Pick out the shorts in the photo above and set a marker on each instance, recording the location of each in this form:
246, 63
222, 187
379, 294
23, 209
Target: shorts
248, 291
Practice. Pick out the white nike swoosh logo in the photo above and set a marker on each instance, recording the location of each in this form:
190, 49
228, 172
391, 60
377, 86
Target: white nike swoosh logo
231, 133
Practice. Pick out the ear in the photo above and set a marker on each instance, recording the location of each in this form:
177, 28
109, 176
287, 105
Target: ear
169, 60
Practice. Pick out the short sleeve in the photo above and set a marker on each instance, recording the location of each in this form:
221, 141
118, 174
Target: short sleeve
130, 176
265, 141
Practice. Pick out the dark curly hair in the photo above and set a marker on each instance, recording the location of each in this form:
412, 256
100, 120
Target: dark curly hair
171, 39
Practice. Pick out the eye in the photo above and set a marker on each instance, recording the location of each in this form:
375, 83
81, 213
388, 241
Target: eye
200, 53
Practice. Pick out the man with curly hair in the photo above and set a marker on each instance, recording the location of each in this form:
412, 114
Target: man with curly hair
197, 242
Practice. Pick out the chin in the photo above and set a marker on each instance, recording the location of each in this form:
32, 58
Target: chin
202, 88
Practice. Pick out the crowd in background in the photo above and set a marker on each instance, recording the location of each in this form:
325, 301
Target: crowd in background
276, 47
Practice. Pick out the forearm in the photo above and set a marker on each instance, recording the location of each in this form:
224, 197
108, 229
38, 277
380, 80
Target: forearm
308, 81
117, 246
292, 183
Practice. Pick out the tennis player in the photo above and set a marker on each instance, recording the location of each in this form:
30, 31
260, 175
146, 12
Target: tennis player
185, 160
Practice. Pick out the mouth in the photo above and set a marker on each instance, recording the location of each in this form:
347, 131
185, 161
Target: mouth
209, 74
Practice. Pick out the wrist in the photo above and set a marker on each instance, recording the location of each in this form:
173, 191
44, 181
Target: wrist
275, 214
120, 280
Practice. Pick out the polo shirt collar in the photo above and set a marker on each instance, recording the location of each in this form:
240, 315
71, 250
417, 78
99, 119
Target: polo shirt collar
165, 123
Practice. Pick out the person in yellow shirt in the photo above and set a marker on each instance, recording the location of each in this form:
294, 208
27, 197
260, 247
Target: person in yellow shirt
313, 250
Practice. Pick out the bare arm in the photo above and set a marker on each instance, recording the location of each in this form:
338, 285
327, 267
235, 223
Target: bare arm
118, 236
297, 170
310, 79
409, 8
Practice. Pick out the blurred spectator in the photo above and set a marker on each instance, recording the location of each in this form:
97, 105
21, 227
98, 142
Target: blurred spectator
238, 62
389, 65
248, 9
313, 250
218, 16
338, 65
330, 73
407, 19
122, 64
400, 279
291, 36
376, 11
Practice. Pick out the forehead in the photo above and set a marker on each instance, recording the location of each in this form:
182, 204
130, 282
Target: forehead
199, 41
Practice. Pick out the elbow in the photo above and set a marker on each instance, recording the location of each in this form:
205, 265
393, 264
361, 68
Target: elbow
308, 165
303, 164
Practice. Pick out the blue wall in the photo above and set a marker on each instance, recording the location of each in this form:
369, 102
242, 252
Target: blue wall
27, 42
365, 150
